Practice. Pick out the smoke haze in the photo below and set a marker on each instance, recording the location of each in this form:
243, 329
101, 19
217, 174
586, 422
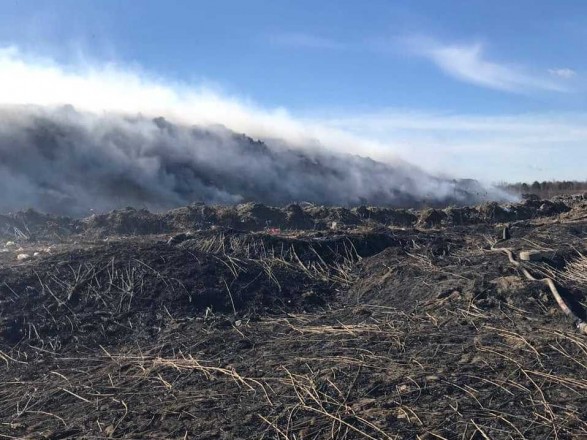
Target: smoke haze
75, 141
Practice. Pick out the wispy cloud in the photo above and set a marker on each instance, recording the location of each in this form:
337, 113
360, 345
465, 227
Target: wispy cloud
469, 63
304, 40
491, 147
564, 73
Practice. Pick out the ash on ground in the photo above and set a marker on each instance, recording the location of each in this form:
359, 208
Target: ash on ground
299, 322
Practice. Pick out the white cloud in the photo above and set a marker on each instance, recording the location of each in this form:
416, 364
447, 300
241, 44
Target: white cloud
493, 148
488, 147
564, 73
467, 62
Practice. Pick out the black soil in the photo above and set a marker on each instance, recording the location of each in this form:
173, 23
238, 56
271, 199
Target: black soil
302, 322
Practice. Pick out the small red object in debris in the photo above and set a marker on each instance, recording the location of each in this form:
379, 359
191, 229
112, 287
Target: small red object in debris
273, 231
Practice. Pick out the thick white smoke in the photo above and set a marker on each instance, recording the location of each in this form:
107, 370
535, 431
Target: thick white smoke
81, 139
111, 88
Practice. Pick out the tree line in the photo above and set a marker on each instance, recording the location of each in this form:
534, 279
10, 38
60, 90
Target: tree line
546, 189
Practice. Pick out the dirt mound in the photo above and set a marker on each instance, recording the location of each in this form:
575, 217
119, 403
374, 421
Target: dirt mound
297, 219
194, 216
490, 213
129, 288
438, 266
332, 217
529, 209
461, 216
386, 216
431, 218
124, 222
33, 225
495, 213
323, 248
410, 274
577, 212
255, 217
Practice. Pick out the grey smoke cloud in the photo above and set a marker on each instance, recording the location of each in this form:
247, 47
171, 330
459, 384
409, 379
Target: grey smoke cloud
75, 138
61, 160
488, 147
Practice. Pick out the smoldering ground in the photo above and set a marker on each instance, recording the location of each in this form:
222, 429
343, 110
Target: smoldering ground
61, 160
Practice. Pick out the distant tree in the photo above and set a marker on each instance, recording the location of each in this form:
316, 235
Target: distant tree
536, 186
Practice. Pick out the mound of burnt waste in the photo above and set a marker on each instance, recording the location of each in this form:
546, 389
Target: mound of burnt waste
32, 225
128, 289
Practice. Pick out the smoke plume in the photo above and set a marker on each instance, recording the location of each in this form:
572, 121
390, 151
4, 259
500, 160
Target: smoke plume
74, 140
65, 161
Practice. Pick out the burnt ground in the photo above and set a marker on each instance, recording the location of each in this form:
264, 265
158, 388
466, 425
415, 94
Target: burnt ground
297, 323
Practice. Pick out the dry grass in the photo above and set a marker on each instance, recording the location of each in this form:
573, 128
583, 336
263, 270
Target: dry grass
575, 271
232, 248
382, 379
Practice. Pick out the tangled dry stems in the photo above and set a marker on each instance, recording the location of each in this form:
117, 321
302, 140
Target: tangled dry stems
327, 396
449, 369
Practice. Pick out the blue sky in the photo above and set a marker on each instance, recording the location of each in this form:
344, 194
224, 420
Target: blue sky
495, 90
